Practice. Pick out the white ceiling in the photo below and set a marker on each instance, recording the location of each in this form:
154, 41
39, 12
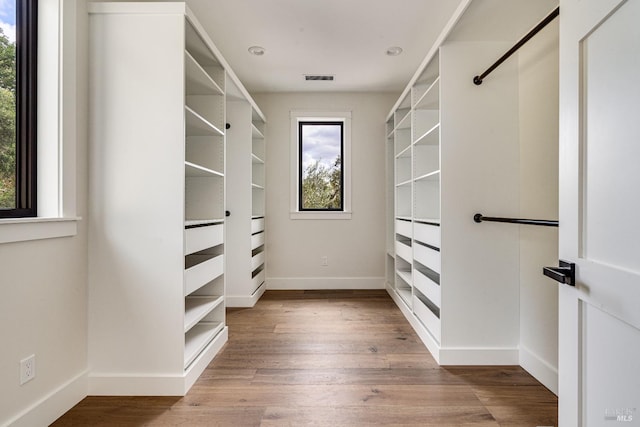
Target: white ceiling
345, 38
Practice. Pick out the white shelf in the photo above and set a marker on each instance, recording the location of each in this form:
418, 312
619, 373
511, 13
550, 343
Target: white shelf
406, 276
197, 307
428, 220
427, 318
257, 187
404, 122
194, 170
403, 183
431, 98
405, 294
256, 159
196, 125
435, 175
197, 339
198, 81
427, 287
255, 132
406, 152
200, 274
210, 221
431, 137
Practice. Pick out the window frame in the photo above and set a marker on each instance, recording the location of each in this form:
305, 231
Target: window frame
26, 111
301, 124
60, 77
294, 170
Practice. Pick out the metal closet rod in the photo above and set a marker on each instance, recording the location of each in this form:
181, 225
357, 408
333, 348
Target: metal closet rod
478, 79
543, 222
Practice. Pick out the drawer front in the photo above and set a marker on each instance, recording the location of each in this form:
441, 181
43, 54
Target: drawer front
404, 252
201, 274
404, 228
428, 319
426, 233
427, 287
427, 256
199, 238
257, 260
257, 225
258, 280
257, 240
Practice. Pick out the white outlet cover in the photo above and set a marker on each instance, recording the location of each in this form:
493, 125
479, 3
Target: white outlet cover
27, 369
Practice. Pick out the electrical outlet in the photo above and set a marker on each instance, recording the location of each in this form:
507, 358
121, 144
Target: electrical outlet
324, 261
27, 369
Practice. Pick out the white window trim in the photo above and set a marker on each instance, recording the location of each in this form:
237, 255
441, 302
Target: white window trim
57, 81
301, 116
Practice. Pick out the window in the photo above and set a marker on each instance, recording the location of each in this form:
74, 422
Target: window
320, 165
320, 170
18, 76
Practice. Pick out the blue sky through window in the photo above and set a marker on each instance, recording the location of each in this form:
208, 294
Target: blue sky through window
320, 143
8, 18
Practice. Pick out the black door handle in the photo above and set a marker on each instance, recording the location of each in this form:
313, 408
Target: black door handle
566, 273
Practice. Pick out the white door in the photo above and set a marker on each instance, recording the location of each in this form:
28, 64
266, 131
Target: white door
599, 348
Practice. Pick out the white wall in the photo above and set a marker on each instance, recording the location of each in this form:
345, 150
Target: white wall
43, 302
355, 248
538, 74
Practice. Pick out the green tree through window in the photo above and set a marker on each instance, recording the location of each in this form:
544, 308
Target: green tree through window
321, 174
18, 107
7, 123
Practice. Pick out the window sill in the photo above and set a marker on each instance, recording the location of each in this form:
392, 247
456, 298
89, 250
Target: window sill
26, 229
320, 215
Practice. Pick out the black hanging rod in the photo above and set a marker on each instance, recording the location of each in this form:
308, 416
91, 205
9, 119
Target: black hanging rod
478, 79
544, 222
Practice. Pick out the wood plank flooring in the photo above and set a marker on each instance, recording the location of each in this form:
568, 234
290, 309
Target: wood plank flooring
330, 358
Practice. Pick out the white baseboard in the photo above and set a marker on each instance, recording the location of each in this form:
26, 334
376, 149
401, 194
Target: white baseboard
159, 385
245, 301
135, 385
52, 406
324, 283
539, 369
479, 356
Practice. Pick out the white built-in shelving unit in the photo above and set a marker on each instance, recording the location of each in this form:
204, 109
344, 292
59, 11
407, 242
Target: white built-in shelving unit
415, 136
246, 201
158, 177
452, 151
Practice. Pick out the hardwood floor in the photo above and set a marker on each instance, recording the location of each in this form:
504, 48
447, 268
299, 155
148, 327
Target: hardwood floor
330, 358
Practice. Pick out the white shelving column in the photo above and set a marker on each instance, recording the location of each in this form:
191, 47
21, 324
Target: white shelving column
403, 197
156, 199
425, 96
390, 206
245, 200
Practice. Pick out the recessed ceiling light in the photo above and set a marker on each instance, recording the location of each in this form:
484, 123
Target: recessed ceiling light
394, 51
256, 50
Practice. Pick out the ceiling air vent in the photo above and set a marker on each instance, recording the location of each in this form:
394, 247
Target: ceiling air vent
326, 77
